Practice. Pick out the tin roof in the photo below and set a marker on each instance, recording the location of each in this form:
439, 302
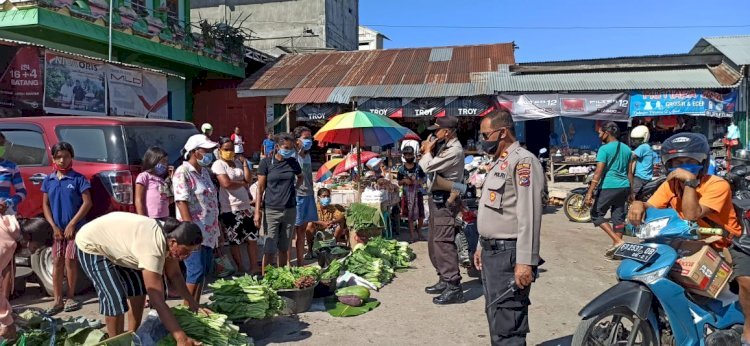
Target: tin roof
735, 48
408, 72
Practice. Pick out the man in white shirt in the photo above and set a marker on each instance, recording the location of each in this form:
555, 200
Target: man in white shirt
239, 142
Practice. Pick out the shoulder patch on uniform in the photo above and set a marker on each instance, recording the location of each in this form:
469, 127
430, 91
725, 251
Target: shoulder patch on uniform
523, 170
504, 165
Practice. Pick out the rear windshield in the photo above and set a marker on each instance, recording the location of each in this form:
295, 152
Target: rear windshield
170, 138
102, 144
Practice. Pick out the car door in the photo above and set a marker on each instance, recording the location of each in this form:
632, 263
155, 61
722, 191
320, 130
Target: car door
26, 146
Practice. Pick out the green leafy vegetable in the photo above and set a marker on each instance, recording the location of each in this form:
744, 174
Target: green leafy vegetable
361, 216
338, 309
333, 270
280, 278
244, 297
214, 329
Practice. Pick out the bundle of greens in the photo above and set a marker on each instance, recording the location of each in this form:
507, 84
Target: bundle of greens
399, 254
244, 297
291, 277
375, 270
333, 270
361, 216
213, 329
34, 330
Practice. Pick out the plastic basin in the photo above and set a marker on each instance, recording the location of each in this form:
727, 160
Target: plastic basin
297, 301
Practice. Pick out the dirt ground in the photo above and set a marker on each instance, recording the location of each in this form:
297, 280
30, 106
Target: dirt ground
575, 272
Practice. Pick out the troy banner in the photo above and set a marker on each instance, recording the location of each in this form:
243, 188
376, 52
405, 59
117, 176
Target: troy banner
321, 111
425, 107
471, 106
137, 93
612, 107
74, 85
694, 102
22, 83
390, 107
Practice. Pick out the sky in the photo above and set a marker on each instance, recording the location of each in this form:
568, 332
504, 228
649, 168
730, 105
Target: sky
696, 19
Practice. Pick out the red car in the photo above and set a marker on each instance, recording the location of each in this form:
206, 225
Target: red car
108, 151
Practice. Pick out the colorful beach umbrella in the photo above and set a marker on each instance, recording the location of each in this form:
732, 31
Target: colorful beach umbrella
362, 128
350, 161
326, 170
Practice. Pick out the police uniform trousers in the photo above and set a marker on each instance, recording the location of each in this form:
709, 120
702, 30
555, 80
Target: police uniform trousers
507, 310
441, 244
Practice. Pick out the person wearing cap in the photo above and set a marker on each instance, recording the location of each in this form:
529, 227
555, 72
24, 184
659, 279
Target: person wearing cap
207, 129
196, 200
509, 223
443, 156
610, 187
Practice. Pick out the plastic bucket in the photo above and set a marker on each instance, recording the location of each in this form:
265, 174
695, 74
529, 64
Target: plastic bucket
297, 301
325, 288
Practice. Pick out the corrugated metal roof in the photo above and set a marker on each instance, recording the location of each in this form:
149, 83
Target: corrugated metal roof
735, 48
416, 72
668, 79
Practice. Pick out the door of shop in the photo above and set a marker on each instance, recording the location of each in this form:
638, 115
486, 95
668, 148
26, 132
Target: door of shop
537, 135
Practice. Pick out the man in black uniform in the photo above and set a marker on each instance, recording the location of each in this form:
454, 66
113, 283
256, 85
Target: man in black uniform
509, 221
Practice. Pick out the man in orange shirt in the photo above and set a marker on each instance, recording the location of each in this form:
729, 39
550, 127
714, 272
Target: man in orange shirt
699, 197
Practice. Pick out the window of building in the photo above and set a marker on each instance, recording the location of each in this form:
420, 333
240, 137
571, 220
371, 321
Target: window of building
176, 12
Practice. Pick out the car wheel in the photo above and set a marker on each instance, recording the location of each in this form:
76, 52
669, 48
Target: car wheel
41, 264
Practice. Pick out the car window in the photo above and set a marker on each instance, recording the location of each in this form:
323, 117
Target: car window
139, 138
102, 144
25, 147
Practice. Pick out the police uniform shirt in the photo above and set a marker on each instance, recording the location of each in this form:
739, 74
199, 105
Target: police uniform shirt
511, 202
449, 163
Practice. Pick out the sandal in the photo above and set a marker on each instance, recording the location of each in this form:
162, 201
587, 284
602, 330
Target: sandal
72, 305
54, 310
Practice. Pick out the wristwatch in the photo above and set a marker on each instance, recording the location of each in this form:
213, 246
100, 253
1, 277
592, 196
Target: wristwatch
692, 183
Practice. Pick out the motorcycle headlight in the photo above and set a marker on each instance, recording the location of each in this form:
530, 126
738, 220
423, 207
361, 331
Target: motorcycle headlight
652, 276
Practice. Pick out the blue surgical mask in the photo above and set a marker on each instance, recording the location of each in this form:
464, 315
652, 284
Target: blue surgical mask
690, 167
286, 153
307, 143
207, 159
160, 169
325, 201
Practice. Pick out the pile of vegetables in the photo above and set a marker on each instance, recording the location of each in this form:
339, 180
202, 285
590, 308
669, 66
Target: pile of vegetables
333, 270
213, 329
361, 216
375, 270
34, 330
244, 297
291, 277
397, 253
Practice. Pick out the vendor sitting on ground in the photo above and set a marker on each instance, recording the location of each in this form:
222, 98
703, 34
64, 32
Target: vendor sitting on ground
331, 222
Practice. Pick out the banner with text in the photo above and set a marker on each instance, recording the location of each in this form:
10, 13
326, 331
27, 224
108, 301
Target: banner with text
390, 107
22, 83
137, 93
74, 85
612, 107
710, 103
476, 106
424, 107
317, 111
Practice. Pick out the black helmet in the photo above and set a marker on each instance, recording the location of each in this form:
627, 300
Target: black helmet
688, 144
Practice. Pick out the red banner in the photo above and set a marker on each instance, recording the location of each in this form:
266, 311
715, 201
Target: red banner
21, 85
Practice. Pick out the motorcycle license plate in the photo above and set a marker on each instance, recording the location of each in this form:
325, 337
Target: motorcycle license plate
636, 252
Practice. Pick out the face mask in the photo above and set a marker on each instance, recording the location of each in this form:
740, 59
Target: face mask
206, 160
489, 147
409, 160
690, 167
286, 153
227, 155
325, 201
160, 169
2, 151
60, 169
307, 144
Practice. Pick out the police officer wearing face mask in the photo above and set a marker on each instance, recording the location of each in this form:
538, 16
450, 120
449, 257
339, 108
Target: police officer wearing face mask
446, 161
509, 222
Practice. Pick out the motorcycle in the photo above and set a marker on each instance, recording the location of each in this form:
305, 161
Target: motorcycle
646, 307
576, 209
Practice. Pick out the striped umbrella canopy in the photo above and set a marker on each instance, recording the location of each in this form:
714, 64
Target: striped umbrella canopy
326, 170
350, 161
362, 128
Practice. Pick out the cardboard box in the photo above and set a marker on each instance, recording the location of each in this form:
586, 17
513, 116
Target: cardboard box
700, 269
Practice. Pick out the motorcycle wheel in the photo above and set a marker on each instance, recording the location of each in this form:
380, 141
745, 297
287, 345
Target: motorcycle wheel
575, 209
613, 327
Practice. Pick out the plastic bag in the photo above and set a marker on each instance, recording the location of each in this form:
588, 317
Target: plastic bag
151, 330
350, 279
223, 266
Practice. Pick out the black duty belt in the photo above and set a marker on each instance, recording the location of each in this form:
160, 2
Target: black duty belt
497, 244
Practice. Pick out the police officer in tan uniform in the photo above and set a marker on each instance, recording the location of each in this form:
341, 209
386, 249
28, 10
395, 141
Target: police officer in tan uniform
509, 221
443, 156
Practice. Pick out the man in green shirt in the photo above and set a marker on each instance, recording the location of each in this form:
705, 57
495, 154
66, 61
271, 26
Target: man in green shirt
612, 184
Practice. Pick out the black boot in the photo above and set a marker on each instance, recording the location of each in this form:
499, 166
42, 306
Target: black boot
437, 288
453, 294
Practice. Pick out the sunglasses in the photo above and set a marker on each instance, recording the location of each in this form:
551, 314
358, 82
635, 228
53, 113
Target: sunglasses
487, 135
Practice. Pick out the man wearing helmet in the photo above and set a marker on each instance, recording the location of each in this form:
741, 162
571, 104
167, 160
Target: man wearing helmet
698, 196
642, 166
207, 129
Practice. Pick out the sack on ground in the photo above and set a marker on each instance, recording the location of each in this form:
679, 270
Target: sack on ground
223, 266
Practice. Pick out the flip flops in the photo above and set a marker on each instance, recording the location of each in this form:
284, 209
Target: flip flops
72, 305
54, 310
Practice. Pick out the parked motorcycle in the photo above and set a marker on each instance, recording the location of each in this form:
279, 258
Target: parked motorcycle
576, 209
646, 307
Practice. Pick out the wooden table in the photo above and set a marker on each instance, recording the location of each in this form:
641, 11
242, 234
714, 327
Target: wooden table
555, 167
